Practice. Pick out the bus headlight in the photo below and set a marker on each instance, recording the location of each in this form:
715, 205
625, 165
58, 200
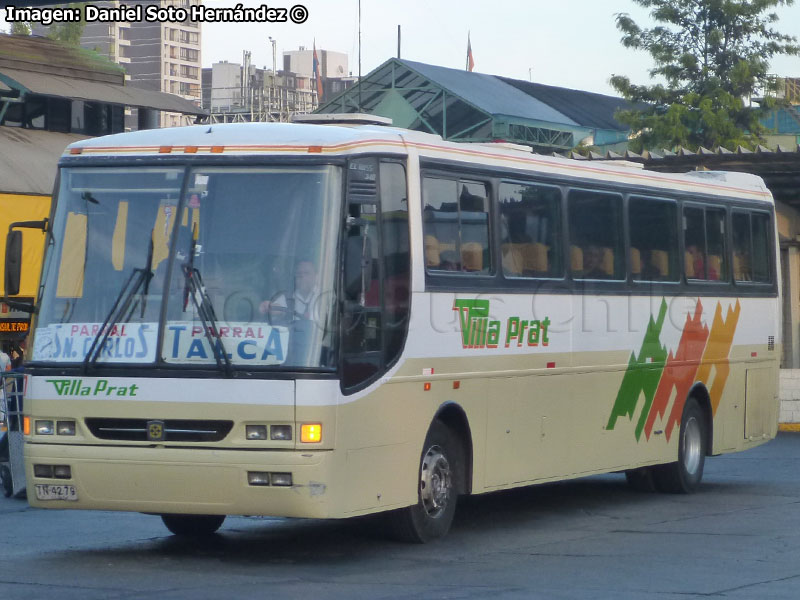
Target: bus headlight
43, 427
65, 427
280, 432
255, 432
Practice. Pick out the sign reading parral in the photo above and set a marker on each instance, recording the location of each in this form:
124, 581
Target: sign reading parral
71, 342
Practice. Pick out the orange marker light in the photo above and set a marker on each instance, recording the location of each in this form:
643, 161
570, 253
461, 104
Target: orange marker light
75, 150
217, 149
311, 433
165, 150
26, 425
314, 149
456, 385
190, 150
427, 387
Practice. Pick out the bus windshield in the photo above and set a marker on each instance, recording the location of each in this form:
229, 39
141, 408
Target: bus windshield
250, 282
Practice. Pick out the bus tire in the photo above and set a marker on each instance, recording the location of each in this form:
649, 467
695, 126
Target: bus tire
193, 525
684, 475
441, 477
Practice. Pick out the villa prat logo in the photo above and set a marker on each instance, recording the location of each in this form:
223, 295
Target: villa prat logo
98, 388
479, 331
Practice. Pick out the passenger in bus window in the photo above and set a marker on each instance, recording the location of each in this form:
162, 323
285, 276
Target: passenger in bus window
698, 264
300, 304
593, 263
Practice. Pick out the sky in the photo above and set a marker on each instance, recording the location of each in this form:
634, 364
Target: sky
568, 43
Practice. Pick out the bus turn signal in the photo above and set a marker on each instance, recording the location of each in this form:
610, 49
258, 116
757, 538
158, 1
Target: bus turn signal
311, 433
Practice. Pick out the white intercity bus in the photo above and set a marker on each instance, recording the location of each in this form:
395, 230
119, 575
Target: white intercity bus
308, 320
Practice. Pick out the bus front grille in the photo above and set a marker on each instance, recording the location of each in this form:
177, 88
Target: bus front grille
174, 430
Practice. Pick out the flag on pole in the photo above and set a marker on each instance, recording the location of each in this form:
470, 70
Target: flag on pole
317, 78
470, 60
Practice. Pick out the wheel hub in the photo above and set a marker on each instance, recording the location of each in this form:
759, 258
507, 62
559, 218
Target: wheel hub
436, 481
692, 446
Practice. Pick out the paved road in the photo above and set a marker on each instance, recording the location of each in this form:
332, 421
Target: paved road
739, 537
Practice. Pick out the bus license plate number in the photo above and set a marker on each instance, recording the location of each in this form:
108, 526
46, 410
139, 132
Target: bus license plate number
55, 492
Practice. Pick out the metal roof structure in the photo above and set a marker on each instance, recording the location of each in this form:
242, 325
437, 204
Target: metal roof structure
475, 107
36, 65
96, 91
31, 167
779, 168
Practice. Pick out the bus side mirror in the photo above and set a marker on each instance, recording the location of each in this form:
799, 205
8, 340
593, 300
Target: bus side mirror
13, 263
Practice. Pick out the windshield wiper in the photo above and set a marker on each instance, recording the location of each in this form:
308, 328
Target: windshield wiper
195, 290
123, 307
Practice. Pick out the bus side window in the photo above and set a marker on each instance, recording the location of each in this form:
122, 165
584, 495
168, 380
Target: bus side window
761, 228
530, 226
654, 239
595, 228
751, 242
704, 243
456, 224
742, 247
694, 243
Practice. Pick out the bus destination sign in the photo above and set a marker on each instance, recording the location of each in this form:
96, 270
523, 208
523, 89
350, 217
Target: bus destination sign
13, 326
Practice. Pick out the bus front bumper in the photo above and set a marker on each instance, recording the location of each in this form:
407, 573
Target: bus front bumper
182, 481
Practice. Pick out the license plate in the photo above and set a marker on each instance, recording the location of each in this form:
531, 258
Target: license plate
55, 492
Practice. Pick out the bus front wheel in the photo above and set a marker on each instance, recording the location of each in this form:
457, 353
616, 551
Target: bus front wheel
193, 525
441, 476
684, 475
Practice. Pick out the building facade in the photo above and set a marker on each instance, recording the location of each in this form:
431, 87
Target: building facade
162, 57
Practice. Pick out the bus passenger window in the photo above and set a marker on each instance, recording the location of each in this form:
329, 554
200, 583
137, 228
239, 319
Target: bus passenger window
717, 268
751, 244
595, 231
694, 240
654, 239
456, 224
761, 248
742, 248
704, 243
530, 230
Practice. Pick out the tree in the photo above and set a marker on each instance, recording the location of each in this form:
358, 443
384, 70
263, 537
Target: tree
713, 56
69, 32
21, 28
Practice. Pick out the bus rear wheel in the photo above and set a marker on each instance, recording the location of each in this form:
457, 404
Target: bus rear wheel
684, 475
441, 477
193, 525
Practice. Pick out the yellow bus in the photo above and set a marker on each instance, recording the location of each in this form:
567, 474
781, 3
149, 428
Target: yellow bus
307, 320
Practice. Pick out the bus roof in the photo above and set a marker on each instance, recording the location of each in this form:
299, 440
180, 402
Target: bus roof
296, 139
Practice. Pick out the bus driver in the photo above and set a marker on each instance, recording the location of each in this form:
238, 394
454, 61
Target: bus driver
300, 303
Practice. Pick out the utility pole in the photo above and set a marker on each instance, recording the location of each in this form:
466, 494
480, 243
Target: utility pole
272, 90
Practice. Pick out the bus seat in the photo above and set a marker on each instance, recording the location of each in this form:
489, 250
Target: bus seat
714, 266
741, 268
659, 260
472, 256
576, 259
608, 262
535, 256
513, 262
432, 256
636, 262
447, 246
688, 262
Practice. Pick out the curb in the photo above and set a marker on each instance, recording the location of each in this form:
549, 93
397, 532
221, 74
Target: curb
795, 427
